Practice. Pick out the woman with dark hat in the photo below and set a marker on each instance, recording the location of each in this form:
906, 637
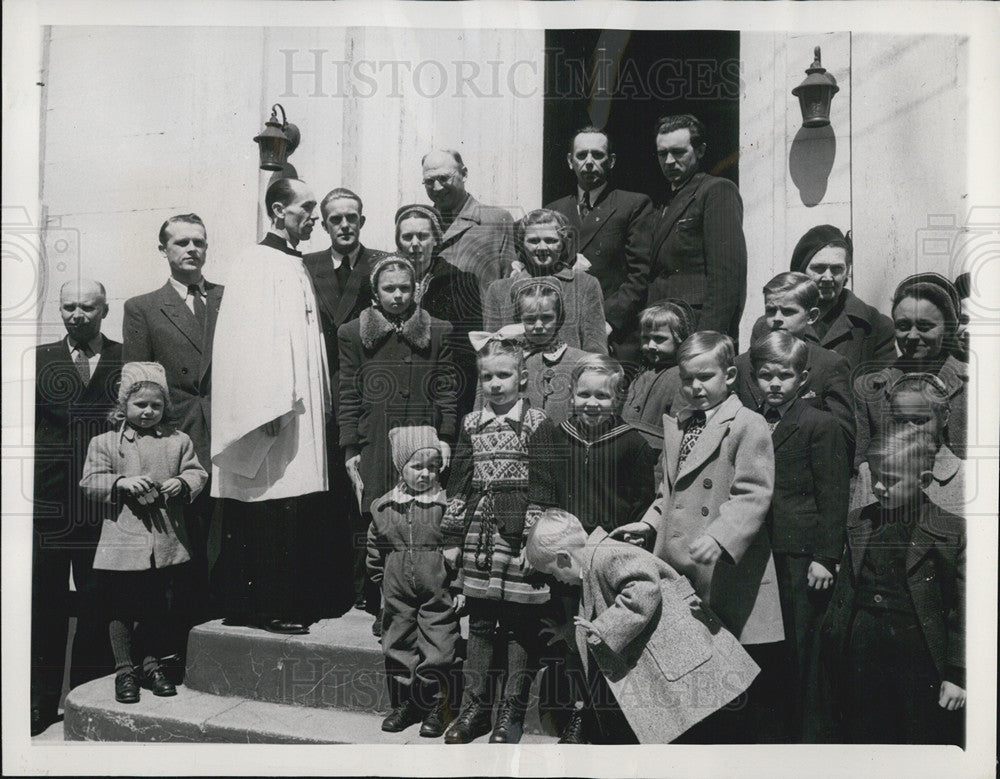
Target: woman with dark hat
925, 317
847, 325
443, 291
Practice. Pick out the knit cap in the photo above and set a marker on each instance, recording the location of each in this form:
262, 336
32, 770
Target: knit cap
393, 259
134, 372
407, 441
814, 240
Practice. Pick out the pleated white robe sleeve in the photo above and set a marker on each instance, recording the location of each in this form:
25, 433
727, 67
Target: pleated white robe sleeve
268, 362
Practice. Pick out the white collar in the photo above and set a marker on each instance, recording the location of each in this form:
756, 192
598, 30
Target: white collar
182, 289
402, 497
513, 415
351, 257
94, 344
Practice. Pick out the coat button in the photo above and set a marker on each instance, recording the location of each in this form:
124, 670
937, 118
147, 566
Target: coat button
407, 359
184, 370
877, 599
707, 484
704, 511
405, 393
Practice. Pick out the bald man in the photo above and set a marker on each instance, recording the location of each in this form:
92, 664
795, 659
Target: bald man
76, 382
477, 239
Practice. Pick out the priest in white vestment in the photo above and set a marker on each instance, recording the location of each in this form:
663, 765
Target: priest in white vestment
270, 399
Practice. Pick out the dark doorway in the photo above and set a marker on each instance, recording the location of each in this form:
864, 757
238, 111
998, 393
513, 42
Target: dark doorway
623, 81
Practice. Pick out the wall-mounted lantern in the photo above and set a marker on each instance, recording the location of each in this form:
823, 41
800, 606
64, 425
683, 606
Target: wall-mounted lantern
277, 140
815, 94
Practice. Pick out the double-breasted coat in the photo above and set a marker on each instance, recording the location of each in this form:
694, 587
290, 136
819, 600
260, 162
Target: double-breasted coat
698, 253
390, 378
159, 327
668, 659
132, 534
724, 490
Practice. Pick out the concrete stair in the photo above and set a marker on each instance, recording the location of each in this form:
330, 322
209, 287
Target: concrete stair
244, 685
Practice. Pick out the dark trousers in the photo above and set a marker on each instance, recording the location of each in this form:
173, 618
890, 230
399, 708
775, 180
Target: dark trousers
892, 686
139, 601
494, 625
52, 604
273, 562
807, 693
607, 723
756, 716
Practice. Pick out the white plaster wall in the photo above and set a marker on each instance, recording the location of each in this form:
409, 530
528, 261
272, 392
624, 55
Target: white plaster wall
142, 123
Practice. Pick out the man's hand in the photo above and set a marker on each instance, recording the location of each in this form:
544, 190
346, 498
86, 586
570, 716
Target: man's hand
705, 549
951, 697
273, 427
819, 577
352, 463
445, 455
172, 487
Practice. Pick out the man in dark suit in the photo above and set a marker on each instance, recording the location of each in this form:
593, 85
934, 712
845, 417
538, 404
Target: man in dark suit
340, 277
173, 326
697, 250
76, 382
612, 235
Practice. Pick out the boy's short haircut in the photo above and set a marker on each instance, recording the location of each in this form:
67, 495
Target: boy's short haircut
912, 448
802, 288
501, 347
721, 346
669, 315
782, 348
604, 366
538, 290
554, 531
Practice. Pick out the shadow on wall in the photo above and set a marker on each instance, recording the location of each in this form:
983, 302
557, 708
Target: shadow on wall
810, 162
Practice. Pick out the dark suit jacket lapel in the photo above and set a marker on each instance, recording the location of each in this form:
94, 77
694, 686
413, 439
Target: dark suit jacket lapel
180, 316
680, 203
788, 426
349, 295
59, 354
213, 296
326, 285
598, 217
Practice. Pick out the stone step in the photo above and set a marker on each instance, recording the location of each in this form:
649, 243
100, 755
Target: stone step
337, 665
93, 714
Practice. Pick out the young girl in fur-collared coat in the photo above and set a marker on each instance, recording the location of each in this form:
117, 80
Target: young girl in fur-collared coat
396, 369
145, 473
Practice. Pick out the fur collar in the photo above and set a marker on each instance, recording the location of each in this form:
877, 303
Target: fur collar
375, 328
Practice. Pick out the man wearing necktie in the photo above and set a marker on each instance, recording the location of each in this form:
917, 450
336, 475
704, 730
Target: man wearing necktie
698, 252
613, 235
75, 388
340, 278
174, 325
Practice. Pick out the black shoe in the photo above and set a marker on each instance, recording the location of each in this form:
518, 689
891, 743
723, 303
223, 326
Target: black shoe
285, 627
509, 725
360, 603
127, 687
573, 732
377, 626
401, 717
158, 682
472, 722
438, 718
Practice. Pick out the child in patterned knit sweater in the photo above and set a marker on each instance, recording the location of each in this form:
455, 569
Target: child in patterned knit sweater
484, 525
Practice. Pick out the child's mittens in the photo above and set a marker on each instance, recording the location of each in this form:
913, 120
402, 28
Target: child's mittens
951, 697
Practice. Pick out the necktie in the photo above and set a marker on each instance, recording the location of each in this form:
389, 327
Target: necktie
82, 362
199, 304
696, 423
585, 204
773, 417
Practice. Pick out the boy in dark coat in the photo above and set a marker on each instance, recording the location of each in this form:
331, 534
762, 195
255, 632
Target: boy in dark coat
419, 623
806, 521
791, 305
894, 635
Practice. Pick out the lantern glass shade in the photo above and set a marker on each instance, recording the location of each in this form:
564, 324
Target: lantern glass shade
815, 104
273, 148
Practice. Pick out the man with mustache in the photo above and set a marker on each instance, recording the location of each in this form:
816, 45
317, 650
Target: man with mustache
340, 277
